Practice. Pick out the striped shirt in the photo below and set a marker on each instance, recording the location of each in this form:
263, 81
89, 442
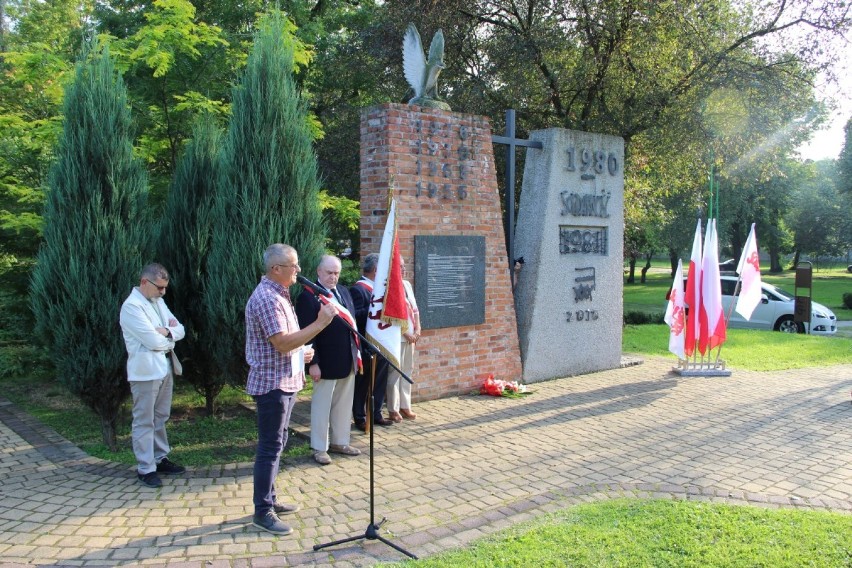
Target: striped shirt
270, 311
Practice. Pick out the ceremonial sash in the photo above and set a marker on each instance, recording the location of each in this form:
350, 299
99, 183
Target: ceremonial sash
346, 316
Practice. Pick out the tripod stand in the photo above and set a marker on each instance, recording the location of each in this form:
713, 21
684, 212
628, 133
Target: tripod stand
372, 532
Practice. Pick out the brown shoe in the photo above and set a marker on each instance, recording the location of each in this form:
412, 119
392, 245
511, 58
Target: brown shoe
395, 416
345, 450
406, 413
322, 458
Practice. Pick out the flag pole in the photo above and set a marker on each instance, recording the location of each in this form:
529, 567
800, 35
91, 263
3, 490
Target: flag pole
730, 312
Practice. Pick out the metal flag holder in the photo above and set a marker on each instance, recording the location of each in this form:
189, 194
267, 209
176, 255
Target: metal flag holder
701, 368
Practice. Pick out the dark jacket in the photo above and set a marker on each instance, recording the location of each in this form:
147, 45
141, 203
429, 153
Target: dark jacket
361, 297
334, 346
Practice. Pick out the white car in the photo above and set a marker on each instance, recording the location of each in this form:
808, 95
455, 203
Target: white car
775, 311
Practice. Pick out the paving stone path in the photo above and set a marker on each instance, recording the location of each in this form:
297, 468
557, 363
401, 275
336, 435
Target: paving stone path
468, 466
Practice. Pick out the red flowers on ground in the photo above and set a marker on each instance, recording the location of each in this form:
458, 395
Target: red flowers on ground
496, 387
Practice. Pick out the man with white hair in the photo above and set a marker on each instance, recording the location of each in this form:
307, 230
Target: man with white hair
333, 367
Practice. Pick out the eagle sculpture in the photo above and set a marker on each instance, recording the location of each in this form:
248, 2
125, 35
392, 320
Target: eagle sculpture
421, 73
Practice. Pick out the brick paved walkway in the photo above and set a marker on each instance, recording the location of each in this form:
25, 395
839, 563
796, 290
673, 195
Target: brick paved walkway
466, 467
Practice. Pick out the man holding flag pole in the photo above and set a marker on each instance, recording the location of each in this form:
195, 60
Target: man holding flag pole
336, 360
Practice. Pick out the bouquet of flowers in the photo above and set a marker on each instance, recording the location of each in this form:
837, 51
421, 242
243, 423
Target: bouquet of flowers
496, 387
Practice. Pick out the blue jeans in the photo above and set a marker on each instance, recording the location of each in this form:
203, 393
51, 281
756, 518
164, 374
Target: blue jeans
273, 420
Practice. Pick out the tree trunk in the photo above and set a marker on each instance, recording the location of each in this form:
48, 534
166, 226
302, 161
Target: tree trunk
673, 258
775, 262
108, 432
795, 260
631, 274
210, 394
646, 267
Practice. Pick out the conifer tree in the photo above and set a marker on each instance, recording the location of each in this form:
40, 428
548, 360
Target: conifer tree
95, 236
268, 189
185, 238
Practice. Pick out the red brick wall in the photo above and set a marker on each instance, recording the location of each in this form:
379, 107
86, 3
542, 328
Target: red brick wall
457, 186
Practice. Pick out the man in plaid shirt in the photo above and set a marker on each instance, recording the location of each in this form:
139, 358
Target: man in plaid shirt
276, 355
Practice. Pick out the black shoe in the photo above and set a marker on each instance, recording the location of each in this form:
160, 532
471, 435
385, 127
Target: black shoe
151, 479
168, 467
271, 523
383, 421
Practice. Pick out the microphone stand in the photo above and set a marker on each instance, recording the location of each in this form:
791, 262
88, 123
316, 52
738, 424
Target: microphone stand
372, 531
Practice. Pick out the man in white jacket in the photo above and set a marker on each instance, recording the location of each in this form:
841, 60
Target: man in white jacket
150, 331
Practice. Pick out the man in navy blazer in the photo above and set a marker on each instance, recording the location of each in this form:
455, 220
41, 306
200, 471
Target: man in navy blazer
333, 367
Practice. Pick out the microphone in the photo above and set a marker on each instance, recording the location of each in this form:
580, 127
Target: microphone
313, 287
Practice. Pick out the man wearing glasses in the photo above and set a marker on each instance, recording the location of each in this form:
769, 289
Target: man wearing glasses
150, 331
276, 356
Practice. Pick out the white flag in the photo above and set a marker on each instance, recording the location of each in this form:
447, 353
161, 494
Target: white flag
676, 315
693, 293
751, 291
383, 320
712, 316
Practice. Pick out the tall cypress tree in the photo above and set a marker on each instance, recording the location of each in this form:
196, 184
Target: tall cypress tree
95, 236
268, 189
186, 235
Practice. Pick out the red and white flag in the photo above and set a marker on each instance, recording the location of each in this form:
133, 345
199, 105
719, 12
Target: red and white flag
346, 316
387, 319
692, 295
751, 292
676, 315
713, 331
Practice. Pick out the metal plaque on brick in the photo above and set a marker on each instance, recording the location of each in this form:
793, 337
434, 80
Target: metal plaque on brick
449, 280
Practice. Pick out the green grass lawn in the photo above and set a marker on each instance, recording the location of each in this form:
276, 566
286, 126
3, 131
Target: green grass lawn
661, 533
196, 439
751, 349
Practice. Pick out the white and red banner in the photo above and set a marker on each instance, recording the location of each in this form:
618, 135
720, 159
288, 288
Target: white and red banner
693, 294
712, 317
676, 315
388, 315
751, 292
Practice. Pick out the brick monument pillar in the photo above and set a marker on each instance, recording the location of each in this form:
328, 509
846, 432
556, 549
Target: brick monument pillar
450, 228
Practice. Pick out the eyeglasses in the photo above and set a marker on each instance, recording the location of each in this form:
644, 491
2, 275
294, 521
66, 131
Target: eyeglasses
160, 289
294, 265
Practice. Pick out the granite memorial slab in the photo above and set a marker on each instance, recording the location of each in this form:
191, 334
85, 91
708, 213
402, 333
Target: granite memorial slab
570, 231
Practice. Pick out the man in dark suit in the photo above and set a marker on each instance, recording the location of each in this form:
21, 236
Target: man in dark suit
362, 292
333, 367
